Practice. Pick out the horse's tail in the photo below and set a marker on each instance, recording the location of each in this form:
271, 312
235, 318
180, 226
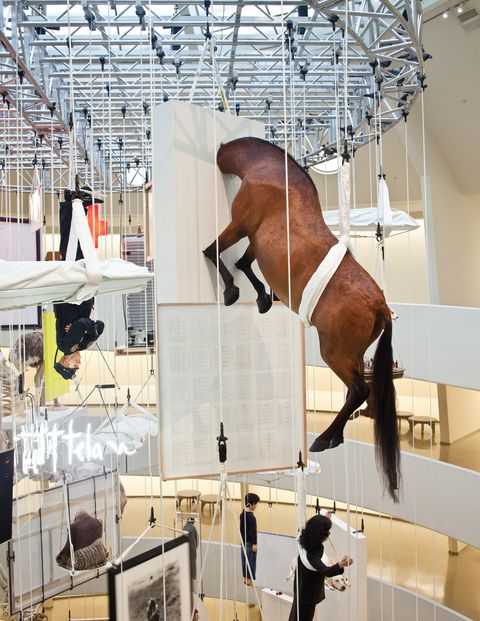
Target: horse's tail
385, 414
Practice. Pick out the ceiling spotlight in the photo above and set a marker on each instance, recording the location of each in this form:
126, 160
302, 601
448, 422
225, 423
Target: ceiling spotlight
445, 14
460, 8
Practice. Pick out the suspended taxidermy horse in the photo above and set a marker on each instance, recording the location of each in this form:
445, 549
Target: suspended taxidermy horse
351, 312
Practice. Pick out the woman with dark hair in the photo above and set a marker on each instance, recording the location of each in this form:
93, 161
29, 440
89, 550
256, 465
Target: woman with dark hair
309, 585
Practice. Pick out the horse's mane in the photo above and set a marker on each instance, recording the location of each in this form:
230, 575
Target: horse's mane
290, 157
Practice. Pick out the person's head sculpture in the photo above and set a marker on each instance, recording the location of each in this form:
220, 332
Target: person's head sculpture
251, 501
68, 365
316, 531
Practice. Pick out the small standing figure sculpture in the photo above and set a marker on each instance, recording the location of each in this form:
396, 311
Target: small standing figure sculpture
248, 532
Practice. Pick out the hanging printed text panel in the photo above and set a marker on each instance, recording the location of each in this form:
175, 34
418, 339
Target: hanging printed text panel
256, 388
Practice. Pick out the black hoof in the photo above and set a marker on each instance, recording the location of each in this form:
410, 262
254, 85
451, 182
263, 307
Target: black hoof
264, 303
336, 442
231, 295
319, 445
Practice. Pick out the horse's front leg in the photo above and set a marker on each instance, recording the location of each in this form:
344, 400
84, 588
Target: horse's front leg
230, 236
264, 300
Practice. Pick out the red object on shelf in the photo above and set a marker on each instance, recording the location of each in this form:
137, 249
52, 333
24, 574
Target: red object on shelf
97, 227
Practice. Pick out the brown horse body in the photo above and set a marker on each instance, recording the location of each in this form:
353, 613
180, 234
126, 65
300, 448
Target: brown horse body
352, 311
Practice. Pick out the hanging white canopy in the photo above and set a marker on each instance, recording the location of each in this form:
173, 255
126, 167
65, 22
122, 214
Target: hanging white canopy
367, 220
30, 283
131, 429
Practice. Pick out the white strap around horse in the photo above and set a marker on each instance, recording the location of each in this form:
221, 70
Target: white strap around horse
320, 279
327, 268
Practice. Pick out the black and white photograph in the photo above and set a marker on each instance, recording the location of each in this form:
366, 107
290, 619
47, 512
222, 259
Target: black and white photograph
153, 586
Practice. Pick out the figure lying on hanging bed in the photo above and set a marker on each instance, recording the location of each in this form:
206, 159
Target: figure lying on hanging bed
88, 550
75, 331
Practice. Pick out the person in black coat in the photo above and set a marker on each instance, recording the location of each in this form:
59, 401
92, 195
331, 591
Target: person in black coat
75, 331
309, 585
248, 532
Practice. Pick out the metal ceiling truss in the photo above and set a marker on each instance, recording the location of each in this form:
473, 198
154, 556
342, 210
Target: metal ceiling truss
88, 73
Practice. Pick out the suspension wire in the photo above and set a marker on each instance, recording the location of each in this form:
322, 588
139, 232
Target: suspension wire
429, 346
411, 340
287, 217
73, 165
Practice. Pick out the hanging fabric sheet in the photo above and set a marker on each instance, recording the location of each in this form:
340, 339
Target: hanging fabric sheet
344, 201
384, 210
366, 219
35, 208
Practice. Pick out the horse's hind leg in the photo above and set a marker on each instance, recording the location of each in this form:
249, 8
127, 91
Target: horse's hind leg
230, 236
264, 300
352, 375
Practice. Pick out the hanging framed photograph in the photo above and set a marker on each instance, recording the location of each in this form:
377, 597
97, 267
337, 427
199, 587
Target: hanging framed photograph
153, 586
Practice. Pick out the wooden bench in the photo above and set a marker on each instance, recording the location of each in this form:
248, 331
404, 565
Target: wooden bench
422, 420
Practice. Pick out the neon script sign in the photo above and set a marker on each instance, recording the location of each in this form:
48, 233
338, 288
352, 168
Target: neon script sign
41, 444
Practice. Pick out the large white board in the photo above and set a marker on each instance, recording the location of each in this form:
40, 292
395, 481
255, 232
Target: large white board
191, 199
258, 387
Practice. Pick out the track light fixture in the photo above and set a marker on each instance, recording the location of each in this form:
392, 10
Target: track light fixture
445, 14
460, 8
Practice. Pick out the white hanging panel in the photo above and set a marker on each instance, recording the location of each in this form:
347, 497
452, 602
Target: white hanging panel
186, 139
262, 388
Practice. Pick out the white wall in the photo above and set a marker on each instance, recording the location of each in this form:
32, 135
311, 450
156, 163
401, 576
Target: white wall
434, 343
388, 602
349, 474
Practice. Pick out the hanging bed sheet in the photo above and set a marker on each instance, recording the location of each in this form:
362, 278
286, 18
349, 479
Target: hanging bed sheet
367, 219
28, 283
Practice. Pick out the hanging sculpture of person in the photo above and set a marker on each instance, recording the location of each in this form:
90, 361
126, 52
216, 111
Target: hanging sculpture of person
191, 529
310, 574
75, 331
